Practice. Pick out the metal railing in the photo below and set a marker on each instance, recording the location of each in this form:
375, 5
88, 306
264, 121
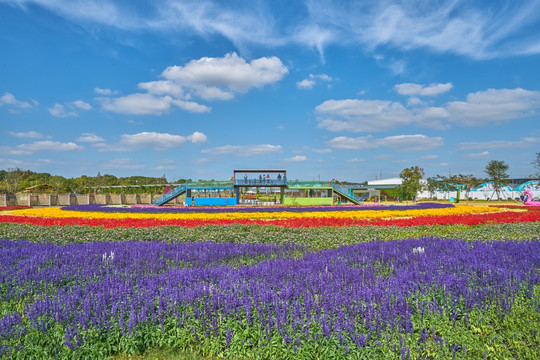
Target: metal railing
345, 192
260, 182
170, 195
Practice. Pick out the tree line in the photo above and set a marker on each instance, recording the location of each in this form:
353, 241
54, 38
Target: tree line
16, 180
496, 171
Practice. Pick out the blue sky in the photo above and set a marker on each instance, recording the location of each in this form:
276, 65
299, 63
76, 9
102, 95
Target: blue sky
194, 89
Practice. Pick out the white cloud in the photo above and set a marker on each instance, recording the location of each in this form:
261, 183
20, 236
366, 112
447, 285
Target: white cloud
43, 146
157, 141
162, 87
362, 115
90, 137
297, 158
412, 89
481, 108
231, 72
106, 92
494, 106
498, 144
400, 142
472, 29
79, 104
482, 154
148, 104
358, 143
355, 160
27, 135
191, 106
307, 84
431, 117
197, 138
137, 104
429, 157
10, 100
411, 142
243, 150
69, 109
58, 110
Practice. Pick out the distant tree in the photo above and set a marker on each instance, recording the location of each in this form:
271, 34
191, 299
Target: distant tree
432, 186
12, 178
411, 182
536, 164
497, 172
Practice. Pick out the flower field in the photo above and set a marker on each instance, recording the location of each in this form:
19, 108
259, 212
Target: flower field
396, 282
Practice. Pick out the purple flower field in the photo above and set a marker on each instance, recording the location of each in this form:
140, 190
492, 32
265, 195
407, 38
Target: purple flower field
156, 209
404, 297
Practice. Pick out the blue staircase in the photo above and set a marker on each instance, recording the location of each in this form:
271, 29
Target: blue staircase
177, 191
348, 194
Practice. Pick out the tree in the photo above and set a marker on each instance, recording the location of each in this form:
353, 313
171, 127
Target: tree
497, 173
411, 182
13, 177
536, 164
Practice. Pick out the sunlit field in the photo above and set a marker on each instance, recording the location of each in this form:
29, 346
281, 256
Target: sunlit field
422, 281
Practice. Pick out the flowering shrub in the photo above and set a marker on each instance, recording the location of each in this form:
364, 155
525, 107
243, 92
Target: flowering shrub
374, 300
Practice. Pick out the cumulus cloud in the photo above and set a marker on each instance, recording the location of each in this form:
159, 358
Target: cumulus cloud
481, 108
297, 158
44, 146
494, 106
90, 137
206, 78
431, 117
308, 83
27, 135
157, 141
197, 138
243, 150
362, 115
230, 72
400, 142
412, 89
69, 109
9, 99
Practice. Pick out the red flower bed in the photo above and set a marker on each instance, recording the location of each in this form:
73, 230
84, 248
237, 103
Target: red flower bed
3, 208
474, 219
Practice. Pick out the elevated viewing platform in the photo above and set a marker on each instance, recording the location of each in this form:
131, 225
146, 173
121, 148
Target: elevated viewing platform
260, 178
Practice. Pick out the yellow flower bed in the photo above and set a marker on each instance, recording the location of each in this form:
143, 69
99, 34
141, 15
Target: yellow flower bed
57, 212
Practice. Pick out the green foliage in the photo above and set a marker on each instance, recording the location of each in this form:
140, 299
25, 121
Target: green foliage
497, 172
316, 238
411, 182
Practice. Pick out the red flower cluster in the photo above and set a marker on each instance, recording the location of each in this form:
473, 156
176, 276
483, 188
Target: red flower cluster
5, 208
472, 219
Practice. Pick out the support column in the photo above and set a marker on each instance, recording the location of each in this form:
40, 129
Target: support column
281, 195
237, 190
